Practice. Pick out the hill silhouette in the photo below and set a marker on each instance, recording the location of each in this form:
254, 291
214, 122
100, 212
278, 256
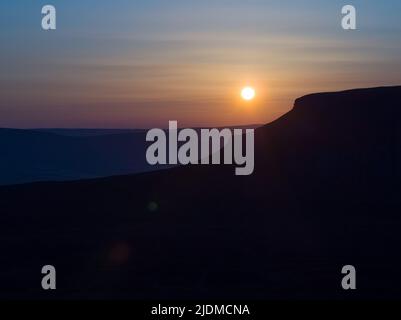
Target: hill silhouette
324, 194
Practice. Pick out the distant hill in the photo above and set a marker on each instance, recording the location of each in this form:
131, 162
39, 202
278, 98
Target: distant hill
89, 132
29, 155
324, 194
72, 154
99, 132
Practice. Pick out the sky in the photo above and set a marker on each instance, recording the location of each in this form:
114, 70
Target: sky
139, 64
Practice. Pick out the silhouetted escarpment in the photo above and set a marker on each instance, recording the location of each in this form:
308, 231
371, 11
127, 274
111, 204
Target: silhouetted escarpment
324, 194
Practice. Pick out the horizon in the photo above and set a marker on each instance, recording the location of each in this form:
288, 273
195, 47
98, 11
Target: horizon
138, 65
165, 126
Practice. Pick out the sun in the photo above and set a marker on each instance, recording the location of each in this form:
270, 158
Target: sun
248, 93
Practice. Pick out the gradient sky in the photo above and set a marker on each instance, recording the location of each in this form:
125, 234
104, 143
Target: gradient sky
135, 64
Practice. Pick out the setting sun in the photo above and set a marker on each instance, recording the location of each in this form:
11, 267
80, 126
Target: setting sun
248, 93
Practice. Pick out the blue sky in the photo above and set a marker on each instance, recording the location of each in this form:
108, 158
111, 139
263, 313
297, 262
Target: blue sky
141, 63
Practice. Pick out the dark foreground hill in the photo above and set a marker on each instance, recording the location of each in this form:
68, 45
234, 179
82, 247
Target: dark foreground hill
325, 193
